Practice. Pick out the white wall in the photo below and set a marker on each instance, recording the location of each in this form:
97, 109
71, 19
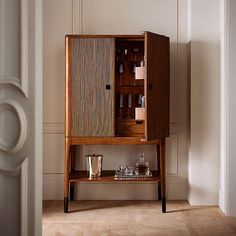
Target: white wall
204, 155
232, 110
167, 17
228, 111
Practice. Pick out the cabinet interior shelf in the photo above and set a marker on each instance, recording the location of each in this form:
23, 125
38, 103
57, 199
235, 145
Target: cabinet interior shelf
108, 177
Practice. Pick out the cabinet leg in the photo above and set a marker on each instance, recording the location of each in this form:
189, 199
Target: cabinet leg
66, 204
66, 174
158, 172
163, 174
72, 166
159, 190
163, 202
72, 187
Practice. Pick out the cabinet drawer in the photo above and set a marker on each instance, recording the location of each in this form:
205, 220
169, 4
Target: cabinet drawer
129, 128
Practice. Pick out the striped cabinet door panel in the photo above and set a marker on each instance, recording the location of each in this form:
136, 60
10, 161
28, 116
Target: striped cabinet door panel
92, 103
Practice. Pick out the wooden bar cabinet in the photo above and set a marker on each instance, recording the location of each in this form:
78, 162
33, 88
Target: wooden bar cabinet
117, 91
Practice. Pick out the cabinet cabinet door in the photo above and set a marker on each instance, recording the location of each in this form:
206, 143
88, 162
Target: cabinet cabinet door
92, 86
157, 86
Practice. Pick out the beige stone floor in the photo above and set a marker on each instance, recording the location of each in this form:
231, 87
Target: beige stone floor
103, 218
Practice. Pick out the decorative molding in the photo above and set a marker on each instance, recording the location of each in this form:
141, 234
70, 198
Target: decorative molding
11, 81
172, 155
224, 202
19, 112
22, 82
22, 172
24, 197
77, 17
9, 169
53, 128
182, 127
24, 47
35, 185
175, 179
175, 128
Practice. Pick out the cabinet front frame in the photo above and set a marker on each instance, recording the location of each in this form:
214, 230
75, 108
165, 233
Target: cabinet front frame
114, 139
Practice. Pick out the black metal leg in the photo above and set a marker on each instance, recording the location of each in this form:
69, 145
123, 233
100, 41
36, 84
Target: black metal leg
72, 187
159, 191
66, 204
72, 163
163, 200
163, 175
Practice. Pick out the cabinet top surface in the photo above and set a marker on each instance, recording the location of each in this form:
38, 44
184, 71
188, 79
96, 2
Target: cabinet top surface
103, 36
118, 36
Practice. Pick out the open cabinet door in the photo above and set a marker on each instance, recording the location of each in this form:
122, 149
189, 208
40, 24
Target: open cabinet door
157, 86
21, 118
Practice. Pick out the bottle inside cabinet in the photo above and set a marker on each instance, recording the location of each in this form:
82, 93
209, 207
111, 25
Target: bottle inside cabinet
129, 90
129, 55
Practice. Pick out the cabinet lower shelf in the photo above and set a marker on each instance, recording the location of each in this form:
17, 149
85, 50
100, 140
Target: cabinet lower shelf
108, 177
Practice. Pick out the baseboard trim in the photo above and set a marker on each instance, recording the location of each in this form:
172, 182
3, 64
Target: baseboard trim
222, 201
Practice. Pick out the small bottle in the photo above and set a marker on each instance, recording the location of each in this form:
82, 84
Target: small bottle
121, 101
142, 166
121, 106
126, 54
140, 100
129, 105
143, 101
134, 67
142, 63
121, 69
135, 63
129, 101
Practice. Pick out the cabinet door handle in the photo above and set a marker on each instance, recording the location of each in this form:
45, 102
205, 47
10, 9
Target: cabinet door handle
108, 86
150, 86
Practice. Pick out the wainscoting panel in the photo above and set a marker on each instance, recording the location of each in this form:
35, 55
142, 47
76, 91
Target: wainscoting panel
53, 153
114, 17
57, 22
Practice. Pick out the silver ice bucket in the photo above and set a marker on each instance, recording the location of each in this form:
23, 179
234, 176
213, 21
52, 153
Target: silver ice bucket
94, 165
